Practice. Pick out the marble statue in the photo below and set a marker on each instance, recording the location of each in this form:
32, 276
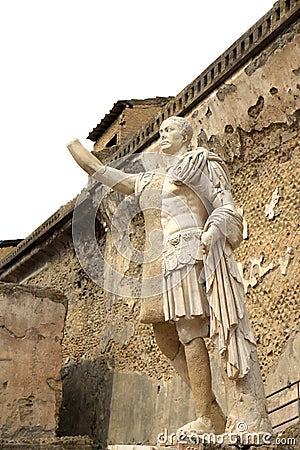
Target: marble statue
202, 293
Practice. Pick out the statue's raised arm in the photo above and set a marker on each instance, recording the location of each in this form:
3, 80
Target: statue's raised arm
113, 178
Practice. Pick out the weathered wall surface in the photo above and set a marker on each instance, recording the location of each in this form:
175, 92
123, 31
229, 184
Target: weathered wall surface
31, 329
252, 121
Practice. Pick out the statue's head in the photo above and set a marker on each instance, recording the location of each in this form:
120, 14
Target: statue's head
175, 133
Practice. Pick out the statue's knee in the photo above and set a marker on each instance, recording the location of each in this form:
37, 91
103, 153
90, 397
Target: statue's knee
166, 337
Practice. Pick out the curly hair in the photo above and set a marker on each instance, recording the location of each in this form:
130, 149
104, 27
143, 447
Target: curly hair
184, 126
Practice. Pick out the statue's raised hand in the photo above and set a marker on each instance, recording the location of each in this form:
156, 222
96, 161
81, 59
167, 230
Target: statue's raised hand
111, 177
84, 158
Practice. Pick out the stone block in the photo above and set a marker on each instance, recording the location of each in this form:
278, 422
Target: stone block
31, 327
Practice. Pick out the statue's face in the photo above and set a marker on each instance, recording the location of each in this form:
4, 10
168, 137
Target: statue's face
171, 138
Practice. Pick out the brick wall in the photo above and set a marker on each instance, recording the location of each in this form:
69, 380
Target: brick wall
114, 128
5, 251
127, 123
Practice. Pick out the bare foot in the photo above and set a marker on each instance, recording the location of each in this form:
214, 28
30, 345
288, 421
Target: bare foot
201, 425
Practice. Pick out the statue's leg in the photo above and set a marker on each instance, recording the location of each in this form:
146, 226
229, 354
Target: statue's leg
191, 362
191, 333
166, 337
200, 375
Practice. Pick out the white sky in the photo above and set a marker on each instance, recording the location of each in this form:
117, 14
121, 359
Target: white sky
64, 63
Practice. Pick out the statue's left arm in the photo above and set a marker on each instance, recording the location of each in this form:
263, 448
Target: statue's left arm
223, 216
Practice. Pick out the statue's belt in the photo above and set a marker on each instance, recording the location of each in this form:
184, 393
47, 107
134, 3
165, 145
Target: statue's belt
182, 248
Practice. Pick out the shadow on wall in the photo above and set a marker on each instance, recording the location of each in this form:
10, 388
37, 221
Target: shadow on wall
86, 398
